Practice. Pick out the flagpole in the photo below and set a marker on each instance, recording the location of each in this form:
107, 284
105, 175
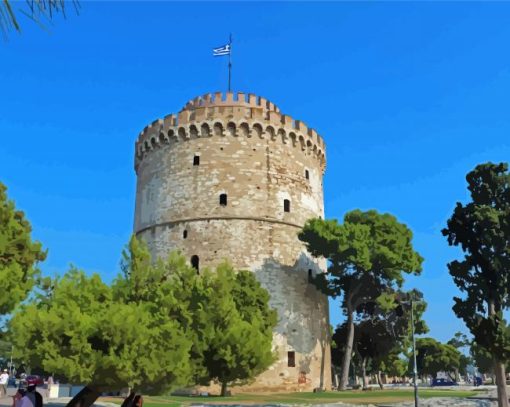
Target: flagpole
230, 63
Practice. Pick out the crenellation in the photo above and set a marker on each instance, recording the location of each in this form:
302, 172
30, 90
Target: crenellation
274, 117
216, 110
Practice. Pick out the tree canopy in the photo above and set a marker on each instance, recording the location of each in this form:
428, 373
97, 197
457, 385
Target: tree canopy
382, 333
481, 228
81, 334
160, 325
433, 357
368, 253
19, 255
238, 343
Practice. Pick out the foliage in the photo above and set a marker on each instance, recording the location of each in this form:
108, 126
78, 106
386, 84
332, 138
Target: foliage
482, 359
238, 342
460, 341
19, 255
433, 357
77, 331
367, 255
224, 313
383, 333
38, 11
482, 229
160, 325
393, 364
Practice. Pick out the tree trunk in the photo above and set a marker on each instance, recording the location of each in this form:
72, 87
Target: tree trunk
346, 361
364, 373
85, 398
223, 389
499, 368
379, 380
457, 375
129, 399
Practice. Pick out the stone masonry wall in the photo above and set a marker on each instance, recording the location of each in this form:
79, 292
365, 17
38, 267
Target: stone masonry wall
258, 157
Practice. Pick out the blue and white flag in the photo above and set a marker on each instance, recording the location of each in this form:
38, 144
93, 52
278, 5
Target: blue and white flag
225, 50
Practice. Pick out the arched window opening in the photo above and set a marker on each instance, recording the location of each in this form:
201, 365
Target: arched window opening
185, 234
286, 205
310, 275
223, 199
195, 263
196, 160
307, 174
205, 130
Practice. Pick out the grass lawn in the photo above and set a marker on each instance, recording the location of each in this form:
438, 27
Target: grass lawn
353, 397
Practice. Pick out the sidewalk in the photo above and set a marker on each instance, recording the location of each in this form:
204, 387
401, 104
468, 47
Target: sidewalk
60, 402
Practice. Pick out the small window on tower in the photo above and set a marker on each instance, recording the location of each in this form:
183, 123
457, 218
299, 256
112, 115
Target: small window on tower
196, 160
223, 199
307, 174
310, 275
286, 205
195, 263
291, 359
185, 234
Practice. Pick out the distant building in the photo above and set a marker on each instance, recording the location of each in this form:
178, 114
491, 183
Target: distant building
231, 177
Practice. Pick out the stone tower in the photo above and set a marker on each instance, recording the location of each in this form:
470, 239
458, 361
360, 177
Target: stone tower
231, 177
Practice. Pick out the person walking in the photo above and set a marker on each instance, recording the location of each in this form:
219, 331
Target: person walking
4, 381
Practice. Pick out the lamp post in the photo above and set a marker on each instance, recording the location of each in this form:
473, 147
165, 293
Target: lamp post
415, 368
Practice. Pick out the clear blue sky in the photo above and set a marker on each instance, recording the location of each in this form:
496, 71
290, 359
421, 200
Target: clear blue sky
408, 96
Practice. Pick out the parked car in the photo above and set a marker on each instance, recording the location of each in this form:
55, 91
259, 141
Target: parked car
444, 382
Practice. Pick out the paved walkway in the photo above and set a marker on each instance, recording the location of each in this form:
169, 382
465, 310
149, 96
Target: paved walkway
60, 402
487, 400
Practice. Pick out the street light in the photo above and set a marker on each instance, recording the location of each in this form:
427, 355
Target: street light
415, 367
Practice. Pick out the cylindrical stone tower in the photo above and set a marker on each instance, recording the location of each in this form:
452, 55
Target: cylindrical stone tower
230, 177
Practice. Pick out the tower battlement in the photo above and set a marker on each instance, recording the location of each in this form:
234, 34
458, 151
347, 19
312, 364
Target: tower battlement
231, 99
230, 114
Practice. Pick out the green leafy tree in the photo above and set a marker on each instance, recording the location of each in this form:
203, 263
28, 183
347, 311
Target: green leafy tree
393, 364
160, 325
461, 341
433, 357
367, 254
240, 323
482, 229
482, 359
225, 313
19, 255
382, 334
83, 331
385, 330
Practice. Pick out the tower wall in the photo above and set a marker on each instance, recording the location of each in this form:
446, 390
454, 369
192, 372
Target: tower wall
258, 157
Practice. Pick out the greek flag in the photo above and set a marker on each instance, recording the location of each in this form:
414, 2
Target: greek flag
225, 50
